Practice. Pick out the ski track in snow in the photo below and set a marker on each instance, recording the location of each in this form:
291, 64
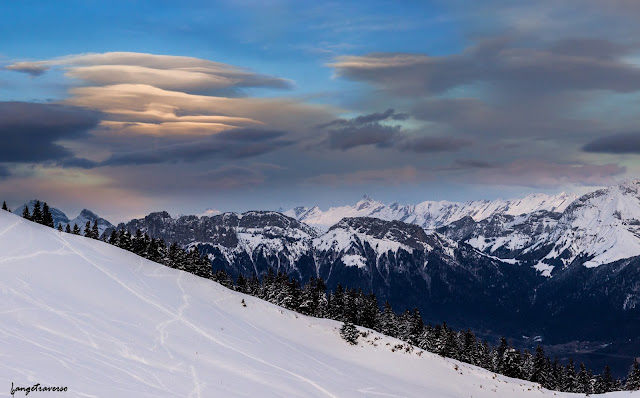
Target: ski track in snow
179, 317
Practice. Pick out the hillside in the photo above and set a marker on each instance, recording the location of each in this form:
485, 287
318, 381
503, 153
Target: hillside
103, 322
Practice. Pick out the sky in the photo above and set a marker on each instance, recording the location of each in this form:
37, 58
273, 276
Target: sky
128, 107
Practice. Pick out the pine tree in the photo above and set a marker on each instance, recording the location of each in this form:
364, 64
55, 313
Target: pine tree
25, 213
47, 218
388, 323
540, 373
113, 239
253, 285
76, 229
557, 375
511, 364
292, 296
4, 207
370, 311
604, 383
95, 232
310, 299
584, 380
527, 365
59, 227
570, 379
633, 379
350, 307
416, 326
350, 333
67, 229
336, 311
241, 284
499, 354
36, 216
87, 230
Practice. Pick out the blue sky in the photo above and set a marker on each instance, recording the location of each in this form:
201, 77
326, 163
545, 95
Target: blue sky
239, 105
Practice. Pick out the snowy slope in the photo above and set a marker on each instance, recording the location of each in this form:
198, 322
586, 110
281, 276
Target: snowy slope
79, 313
432, 214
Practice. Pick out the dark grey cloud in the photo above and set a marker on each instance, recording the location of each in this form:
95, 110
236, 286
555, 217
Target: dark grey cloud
430, 144
371, 134
508, 66
369, 129
616, 143
28, 68
30, 132
363, 130
231, 144
537, 117
230, 177
389, 114
590, 47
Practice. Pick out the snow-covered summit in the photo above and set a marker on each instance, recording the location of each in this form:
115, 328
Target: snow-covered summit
89, 216
601, 227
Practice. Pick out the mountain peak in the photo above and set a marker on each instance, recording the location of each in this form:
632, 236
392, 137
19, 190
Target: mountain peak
88, 214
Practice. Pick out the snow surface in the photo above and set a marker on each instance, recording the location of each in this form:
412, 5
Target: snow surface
104, 322
432, 214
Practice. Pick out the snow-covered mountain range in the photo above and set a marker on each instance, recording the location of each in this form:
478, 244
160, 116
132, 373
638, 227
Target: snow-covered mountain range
134, 328
541, 230
431, 214
519, 267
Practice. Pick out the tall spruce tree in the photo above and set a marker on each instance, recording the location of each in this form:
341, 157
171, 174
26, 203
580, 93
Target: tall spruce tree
36, 215
76, 229
511, 364
584, 380
388, 323
633, 378
605, 382
87, 230
47, 217
4, 206
25, 213
540, 372
95, 232
59, 227
67, 229
570, 378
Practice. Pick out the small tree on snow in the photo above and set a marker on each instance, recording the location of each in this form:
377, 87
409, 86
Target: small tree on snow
349, 332
25, 213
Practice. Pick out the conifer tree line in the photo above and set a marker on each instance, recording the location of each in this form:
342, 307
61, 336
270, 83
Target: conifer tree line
354, 307
41, 213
